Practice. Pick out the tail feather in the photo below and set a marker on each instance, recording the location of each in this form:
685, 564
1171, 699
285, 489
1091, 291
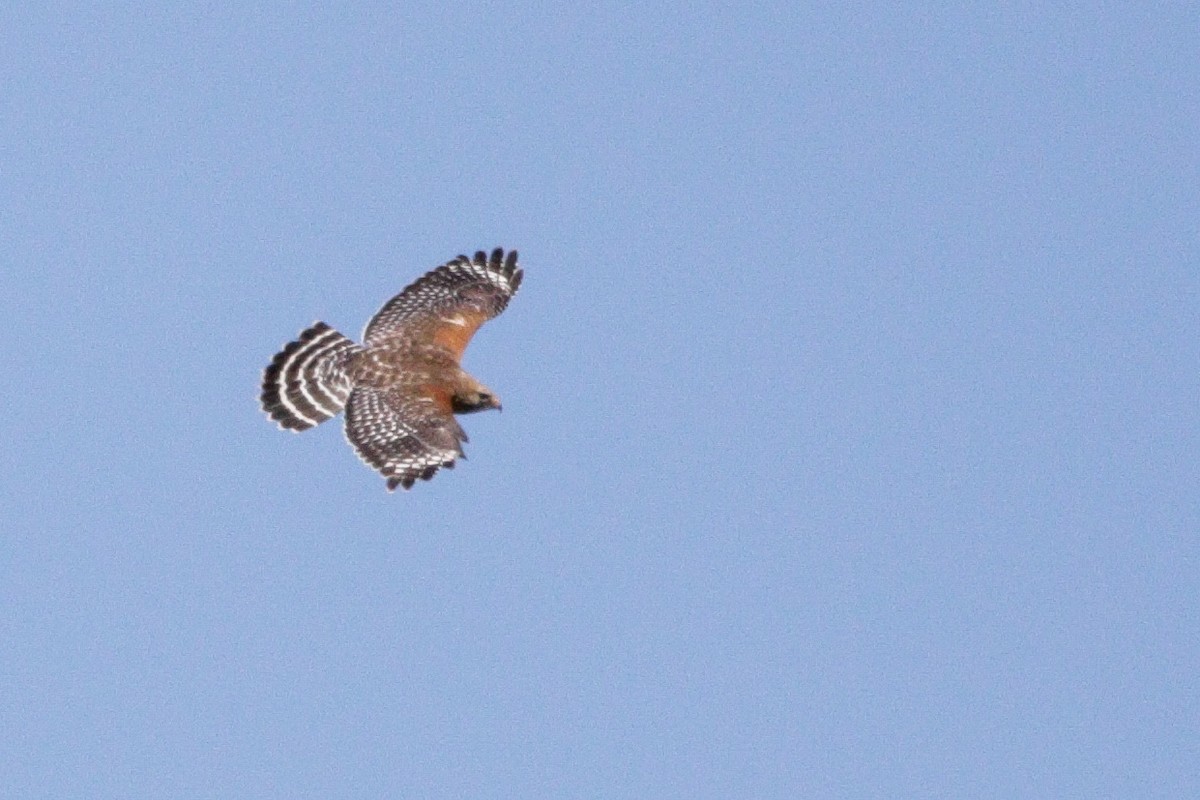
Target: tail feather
306, 383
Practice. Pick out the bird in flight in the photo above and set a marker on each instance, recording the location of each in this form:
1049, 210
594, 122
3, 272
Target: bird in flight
403, 385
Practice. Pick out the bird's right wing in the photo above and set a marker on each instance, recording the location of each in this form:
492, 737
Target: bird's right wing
448, 304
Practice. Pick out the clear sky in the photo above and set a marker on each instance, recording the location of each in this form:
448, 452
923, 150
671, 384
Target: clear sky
850, 443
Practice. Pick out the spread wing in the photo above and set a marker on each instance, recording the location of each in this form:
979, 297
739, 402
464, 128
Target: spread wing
402, 433
448, 304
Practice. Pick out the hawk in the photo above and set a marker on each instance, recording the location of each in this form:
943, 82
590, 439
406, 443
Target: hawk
403, 385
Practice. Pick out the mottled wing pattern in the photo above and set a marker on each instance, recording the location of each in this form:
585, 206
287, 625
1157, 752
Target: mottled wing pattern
404, 435
448, 304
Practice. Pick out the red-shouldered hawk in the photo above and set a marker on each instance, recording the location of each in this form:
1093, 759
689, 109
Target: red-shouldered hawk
403, 385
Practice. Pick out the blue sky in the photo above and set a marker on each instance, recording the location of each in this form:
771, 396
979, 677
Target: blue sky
850, 432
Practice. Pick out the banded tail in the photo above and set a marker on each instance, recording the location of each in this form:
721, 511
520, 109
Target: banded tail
306, 384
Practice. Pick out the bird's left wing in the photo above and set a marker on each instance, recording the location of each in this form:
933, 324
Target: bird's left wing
403, 434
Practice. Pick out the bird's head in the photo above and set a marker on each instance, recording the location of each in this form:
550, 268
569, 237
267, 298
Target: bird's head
476, 398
